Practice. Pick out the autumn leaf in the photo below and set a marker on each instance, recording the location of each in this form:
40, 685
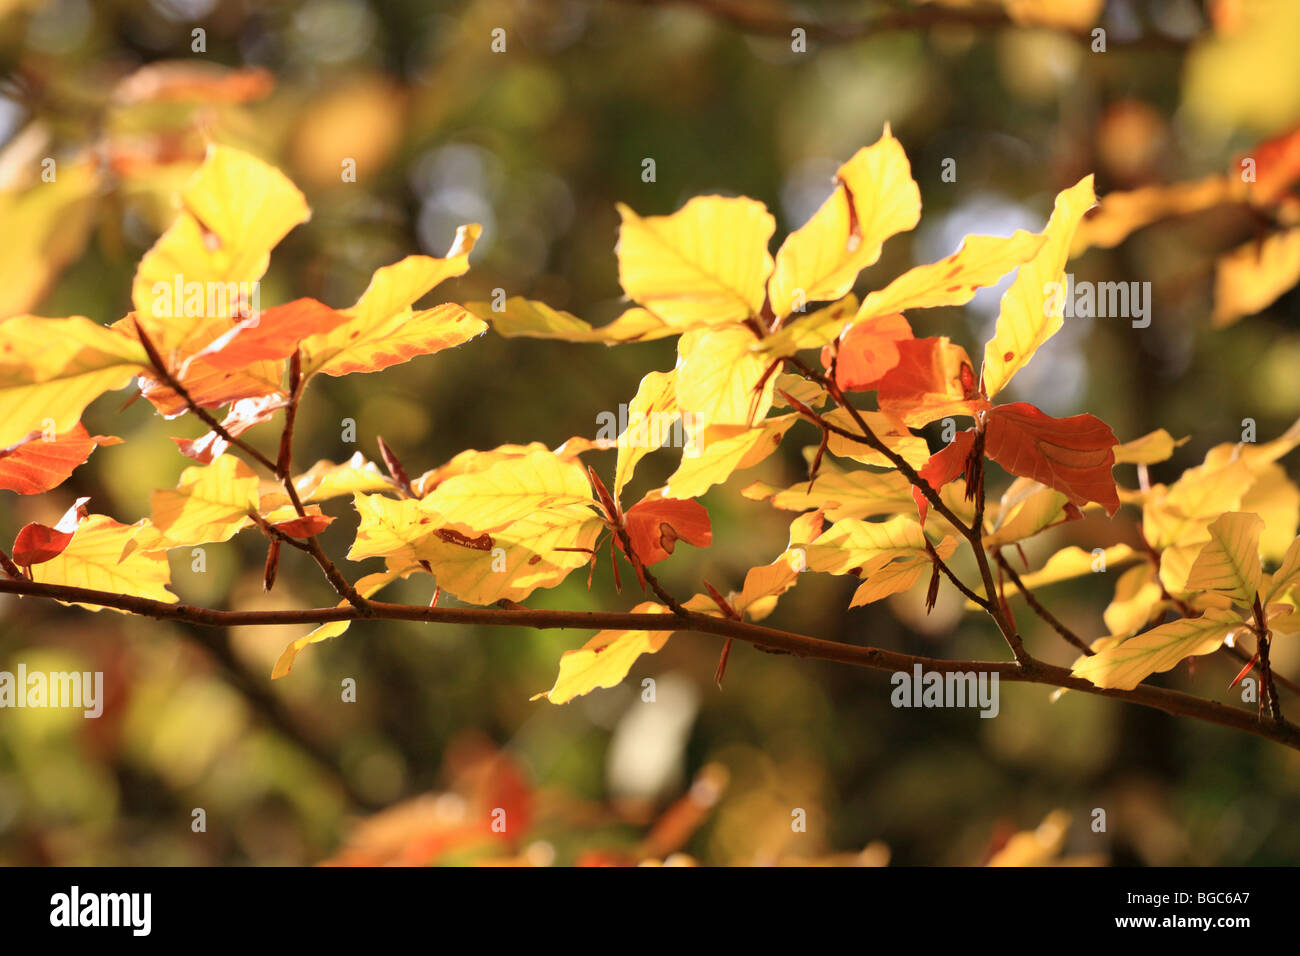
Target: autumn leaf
655, 524
605, 659
1024, 509
726, 449
703, 265
210, 503
840, 494
867, 351
367, 587
325, 479
1230, 562
1152, 448
35, 465
536, 508
37, 543
273, 334
51, 369
242, 416
650, 414
1073, 455
875, 197
978, 262
1251, 277
1125, 665
383, 330
944, 466
234, 210
1031, 313
94, 559
525, 318
720, 380
932, 379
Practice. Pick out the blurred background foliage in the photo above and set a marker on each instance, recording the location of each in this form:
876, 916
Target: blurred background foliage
538, 143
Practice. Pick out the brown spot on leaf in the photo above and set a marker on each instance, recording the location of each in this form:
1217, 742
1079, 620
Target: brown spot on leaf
482, 543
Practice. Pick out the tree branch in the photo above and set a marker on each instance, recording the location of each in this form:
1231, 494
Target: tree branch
1034, 672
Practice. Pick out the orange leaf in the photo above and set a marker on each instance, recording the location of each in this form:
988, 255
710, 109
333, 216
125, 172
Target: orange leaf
37, 543
655, 524
868, 351
933, 379
943, 466
1073, 455
34, 465
274, 334
304, 527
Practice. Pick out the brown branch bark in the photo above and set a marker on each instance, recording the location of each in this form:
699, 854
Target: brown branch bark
1034, 672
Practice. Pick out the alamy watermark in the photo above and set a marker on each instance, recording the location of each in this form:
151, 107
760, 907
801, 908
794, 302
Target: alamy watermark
80, 689
652, 430
923, 688
1099, 300
181, 299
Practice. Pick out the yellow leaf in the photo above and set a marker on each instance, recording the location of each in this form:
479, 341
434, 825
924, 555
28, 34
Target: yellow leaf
841, 494
860, 548
366, 587
1119, 214
51, 369
1124, 666
605, 659
1033, 307
703, 265
875, 197
325, 479
234, 210
888, 429
726, 449
1073, 562
518, 513
46, 226
94, 559
390, 528
1150, 449
1230, 562
382, 329
1251, 277
525, 318
765, 584
1137, 595
1286, 576
718, 377
1026, 508
650, 416
210, 503
1275, 498
979, 261
900, 574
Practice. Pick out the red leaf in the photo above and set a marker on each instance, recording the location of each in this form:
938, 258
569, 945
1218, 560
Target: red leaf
305, 526
944, 465
654, 526
1073, 455
34, 465
37, 543
274, 334
868, 351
